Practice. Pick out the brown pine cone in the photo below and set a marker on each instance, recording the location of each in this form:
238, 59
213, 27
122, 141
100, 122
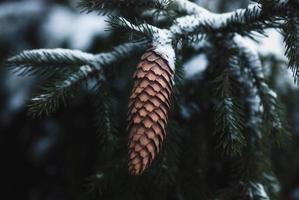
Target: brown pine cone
148, 110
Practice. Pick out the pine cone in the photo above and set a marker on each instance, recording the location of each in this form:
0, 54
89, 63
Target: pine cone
148, 110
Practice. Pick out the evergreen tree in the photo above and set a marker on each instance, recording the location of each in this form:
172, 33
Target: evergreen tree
205, 137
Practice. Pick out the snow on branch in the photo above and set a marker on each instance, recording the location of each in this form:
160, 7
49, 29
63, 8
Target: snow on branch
36, 61
40, 61
199, 22
161, 38
253, 18
250, 93
79, 68
270, 102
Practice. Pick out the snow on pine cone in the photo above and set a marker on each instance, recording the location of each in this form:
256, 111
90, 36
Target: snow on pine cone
148, 110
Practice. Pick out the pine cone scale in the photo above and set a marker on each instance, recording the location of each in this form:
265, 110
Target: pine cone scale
148, 110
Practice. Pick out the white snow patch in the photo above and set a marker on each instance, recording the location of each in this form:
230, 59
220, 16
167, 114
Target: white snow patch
190, 7
167, 52
196, 65
87, 27
46, 53
260, 192
270, 45
272, 93
221, 19
64, 25
273, 44
162, 45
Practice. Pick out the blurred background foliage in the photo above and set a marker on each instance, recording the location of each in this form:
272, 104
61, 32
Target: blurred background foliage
50, 158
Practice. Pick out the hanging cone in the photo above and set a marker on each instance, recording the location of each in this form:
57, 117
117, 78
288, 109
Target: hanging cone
148, 110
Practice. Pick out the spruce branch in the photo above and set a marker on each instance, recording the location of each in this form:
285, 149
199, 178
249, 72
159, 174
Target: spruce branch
104, 117
249, 92
229, 109
49, 102
50, 61
272, 109
254, 18
105, 7
229, 126
140, 28
45, 61
242, 21
121, 52
89, 66
291, 39
229, 119
198, 21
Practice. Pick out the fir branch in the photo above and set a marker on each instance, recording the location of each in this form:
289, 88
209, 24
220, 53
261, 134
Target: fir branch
120, 52
273, 112
48, 62
49, 101
229, 119
66, 88
291, 39
234, 24
192, 26
105, 7
272, 109
45, 61
249, 92
160, 15
105, 118
229, 126
242, 21
254, 18
121, 23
